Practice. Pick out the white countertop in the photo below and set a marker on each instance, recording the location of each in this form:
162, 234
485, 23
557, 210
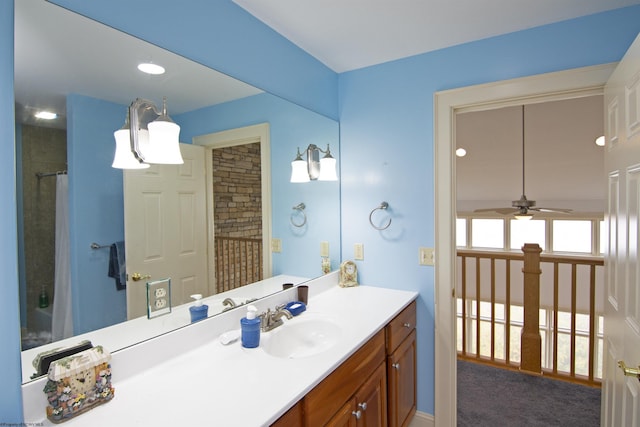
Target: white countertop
133, 331
212, 384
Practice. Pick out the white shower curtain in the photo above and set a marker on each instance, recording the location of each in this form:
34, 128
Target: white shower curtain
62, 321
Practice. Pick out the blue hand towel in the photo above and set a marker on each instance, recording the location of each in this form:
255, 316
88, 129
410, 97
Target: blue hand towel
117, 265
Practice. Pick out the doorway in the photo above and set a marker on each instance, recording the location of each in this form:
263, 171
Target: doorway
239, 151
553, 86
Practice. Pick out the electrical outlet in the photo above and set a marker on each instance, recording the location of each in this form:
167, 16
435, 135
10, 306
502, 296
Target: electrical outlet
324, 249
427, 256
358, 251
276, 245
160, 303
160, 292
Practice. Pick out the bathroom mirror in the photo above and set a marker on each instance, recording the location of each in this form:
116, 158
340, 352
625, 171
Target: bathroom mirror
52, 43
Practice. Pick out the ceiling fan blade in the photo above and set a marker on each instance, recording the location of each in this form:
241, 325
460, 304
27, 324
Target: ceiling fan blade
503, 211
554, 210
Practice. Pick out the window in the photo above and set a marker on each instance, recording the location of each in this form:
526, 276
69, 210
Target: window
461, 232
532, 231
571, 236
487, 233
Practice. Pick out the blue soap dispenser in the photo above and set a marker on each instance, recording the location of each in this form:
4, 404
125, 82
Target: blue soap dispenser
198, 311
250, 327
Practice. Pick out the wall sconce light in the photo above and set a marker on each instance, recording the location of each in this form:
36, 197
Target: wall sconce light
314, 168
153, 136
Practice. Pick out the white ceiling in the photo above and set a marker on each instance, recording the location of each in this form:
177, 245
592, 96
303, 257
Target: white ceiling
351, 34
58, 52
563, 166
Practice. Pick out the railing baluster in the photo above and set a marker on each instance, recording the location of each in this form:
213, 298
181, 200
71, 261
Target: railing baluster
493, 308
574, 290
464, 305
507, 325
478, 299
592, 320
556, 302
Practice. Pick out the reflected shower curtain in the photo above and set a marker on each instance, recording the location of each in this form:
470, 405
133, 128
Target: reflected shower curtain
62, 321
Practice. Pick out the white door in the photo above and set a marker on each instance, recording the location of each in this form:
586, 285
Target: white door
620, 393
166, 229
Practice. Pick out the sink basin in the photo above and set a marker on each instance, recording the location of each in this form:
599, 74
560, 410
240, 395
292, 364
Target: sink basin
298, 338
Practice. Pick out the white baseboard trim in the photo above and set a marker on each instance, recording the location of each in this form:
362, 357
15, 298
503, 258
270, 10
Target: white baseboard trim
422, 419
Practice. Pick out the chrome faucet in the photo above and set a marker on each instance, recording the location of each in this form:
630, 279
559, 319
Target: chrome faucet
272, 319
228, 304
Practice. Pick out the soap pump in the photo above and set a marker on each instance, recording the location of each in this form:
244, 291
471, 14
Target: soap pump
198, 311
250, 327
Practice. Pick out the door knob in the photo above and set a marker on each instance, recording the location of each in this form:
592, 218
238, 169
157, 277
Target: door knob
137, 276
357, 414
396, 366
629, 372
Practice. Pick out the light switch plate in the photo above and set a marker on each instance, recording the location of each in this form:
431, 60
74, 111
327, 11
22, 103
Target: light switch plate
358, 251
427, 256
324, 249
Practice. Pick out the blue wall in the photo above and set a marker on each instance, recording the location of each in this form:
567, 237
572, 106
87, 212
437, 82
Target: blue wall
10, 373
290, 127
386, 137
386, 117
221, 35
95, 210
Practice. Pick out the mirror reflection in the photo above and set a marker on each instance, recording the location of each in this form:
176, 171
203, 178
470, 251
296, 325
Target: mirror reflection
86, 73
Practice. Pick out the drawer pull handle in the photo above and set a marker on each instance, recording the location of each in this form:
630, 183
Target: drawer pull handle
396, 366
358, 414
407, 325
363, 405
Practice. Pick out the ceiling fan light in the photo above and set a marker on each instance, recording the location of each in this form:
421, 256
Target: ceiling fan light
524, 217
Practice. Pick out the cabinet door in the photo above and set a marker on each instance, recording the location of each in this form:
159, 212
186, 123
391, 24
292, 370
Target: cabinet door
345, 417
291, 418
401, 373
371, 400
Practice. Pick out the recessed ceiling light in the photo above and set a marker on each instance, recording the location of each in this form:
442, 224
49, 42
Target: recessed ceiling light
149, 68
46, 115
600, 141
461, 152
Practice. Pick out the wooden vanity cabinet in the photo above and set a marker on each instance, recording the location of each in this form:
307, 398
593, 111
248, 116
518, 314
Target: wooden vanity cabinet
401, 367
368, 407
374, 387
335, 392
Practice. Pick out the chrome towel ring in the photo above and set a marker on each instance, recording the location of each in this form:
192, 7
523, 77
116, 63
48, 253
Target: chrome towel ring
299, 208
383, 206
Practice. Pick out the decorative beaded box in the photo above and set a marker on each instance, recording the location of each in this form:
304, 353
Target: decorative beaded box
78, 383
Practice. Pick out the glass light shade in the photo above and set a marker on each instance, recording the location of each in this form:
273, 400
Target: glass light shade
124, 158
299, 172
328, 169
164, 145
524, 217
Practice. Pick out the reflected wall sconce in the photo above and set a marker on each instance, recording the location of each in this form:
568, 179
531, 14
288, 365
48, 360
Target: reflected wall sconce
152, 137
314, 168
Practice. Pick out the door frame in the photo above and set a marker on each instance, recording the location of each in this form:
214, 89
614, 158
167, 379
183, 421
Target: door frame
560, 85
229, 138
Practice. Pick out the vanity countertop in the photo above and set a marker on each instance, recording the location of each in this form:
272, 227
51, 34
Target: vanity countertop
213, 384
133, 331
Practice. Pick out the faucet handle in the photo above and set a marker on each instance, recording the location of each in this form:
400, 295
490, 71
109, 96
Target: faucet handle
280, 307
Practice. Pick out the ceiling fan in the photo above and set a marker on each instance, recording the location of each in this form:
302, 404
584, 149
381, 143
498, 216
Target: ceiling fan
520, 208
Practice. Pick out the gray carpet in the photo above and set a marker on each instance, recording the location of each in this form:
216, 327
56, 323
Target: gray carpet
493, 397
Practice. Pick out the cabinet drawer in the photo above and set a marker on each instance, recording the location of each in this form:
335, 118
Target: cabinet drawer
400, 327
330, 395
